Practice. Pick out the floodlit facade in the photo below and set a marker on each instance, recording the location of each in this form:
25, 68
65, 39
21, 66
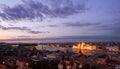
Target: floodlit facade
86, 49
112, 49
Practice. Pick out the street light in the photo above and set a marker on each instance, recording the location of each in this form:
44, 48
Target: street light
3, 62
27, 64
80, 66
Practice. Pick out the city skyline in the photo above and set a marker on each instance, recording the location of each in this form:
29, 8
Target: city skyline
62, 20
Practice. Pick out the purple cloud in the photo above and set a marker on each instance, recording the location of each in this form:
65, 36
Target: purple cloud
36, 32
11, 25
31, 9
22, 29
23, 36
78, 24
52, 25
112, 27
18, 12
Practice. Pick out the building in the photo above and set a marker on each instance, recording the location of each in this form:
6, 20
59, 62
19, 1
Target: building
84, 48
112, 49
117, 67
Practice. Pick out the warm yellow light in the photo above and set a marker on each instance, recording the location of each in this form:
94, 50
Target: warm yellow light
83, 47
35, 62
80, 66
3, 62
27, 64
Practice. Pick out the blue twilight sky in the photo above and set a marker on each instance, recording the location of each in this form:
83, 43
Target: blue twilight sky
65, 20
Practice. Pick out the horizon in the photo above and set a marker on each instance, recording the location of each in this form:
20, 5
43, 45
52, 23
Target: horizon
64, 39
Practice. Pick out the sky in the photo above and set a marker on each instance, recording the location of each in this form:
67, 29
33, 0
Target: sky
59, 20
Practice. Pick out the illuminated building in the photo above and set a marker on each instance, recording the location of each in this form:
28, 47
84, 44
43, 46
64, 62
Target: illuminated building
86, 49
112, 49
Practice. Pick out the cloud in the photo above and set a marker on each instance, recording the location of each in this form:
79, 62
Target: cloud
31, 9
78, 24
23, 36
22, 29
52, 26
18, 12
113, 27
10, 24
37, 32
